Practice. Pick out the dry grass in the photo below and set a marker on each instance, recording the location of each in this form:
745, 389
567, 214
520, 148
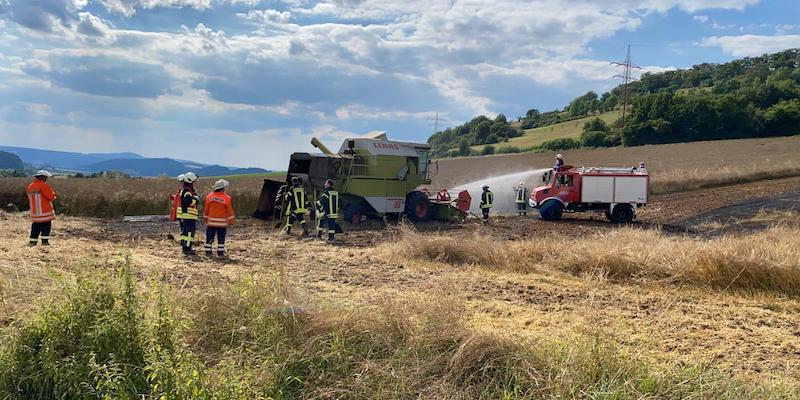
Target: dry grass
111, 198
114, 341
673, 167
766, 261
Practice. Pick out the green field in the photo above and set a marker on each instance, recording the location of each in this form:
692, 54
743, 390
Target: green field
536, 136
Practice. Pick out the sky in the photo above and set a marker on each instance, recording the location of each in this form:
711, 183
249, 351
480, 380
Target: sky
248, 82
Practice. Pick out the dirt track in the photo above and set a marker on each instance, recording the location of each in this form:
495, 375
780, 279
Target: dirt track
755, 336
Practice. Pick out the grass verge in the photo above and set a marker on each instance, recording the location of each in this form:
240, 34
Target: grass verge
103, 338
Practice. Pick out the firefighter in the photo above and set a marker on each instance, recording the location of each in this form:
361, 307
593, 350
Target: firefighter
297, 206
40, 199
217, 215
559, 163
522, 192
487, 198
188, 213
328, 207
176, 201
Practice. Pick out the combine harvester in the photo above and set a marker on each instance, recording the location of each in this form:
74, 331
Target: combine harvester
375, 177
617, 192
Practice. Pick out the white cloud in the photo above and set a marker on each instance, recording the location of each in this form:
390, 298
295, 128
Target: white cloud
267, 16
701, 18
752, 45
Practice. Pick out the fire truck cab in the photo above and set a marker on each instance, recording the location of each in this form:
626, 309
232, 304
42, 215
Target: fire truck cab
617, 192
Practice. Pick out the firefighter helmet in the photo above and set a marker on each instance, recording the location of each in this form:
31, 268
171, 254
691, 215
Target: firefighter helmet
220, 184
190, 177
328, 183
558, 156
43, 173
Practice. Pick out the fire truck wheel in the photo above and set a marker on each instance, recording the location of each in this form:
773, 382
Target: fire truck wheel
551, 210
418, 207
622, 214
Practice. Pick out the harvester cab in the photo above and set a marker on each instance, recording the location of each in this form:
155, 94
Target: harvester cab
375, 177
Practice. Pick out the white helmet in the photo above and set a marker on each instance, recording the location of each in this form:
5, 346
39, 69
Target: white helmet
42, 172
220, 184
485, 186
189, 177
522, 183
558, 156
181, 178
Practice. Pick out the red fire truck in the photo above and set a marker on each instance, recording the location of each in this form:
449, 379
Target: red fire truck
617, 192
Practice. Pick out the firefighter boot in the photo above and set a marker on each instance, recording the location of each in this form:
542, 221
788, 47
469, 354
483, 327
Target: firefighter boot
319, 233
330, 236
305, 228
288, 229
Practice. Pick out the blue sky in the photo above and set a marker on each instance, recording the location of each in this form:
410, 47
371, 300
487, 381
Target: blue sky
247, 82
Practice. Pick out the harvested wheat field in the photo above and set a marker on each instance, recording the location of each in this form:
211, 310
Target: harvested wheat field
679, 305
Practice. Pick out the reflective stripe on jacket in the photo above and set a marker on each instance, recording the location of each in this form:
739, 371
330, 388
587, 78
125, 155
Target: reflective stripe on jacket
487, 199
329, 203
298, 200
40, 199
521, 195
188, 208
218, 210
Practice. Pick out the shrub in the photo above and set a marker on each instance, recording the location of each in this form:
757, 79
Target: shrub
488, 149
559, 144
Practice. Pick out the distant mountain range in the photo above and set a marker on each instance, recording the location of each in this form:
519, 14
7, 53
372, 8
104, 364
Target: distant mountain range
129, 163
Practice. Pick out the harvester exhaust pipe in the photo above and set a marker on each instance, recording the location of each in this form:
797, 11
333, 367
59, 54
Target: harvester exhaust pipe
316, 143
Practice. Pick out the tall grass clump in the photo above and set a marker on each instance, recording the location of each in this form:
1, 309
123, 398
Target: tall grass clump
256, 340
763, 261
87, 342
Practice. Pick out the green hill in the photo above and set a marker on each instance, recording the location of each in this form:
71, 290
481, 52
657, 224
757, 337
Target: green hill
569, 129
744, 98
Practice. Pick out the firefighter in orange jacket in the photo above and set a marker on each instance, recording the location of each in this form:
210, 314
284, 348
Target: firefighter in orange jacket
176, 202
40, 199
218, 215
188, 213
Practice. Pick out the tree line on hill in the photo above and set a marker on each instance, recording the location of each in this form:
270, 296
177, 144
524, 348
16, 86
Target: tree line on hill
745, 98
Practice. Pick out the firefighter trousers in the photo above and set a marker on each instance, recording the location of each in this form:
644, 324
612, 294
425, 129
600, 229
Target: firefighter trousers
41, 229
188, 230
294, 217
521, 209
215, 233
485, 215
327, 224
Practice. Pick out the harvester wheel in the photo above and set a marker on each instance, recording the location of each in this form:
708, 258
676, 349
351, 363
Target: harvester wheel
622, 214
418, 207
353, 214
551, 210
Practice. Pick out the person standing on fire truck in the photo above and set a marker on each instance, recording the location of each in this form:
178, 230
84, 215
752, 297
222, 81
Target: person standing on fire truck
559, 163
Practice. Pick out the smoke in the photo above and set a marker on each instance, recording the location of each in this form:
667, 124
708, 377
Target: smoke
503, 188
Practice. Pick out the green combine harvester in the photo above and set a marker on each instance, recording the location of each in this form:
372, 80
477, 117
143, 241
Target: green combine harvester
375, 177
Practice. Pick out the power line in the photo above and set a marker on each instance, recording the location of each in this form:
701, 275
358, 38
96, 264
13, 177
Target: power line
626, 79
436, 121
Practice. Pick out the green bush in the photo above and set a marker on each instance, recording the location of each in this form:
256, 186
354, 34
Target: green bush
488, 149
559, 144
87, 343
